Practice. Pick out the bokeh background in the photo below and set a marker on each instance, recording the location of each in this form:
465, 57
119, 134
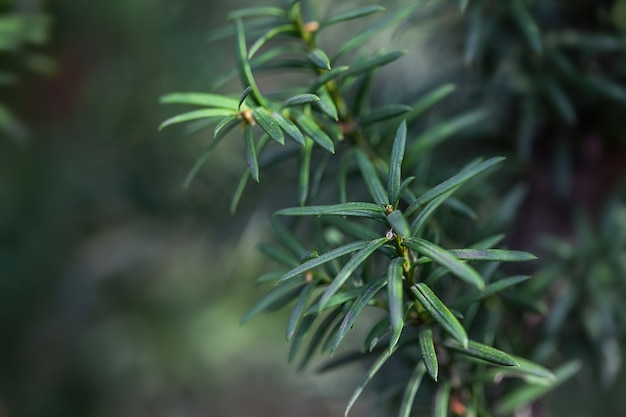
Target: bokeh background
120, 291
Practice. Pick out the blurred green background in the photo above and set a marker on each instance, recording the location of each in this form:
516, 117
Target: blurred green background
120, 291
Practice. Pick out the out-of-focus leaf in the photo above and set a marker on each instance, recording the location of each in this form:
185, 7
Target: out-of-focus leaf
370, 176
268, 124
322, 259
429, 356
298, 310
272, 296
328, 76
420, 221
483, 352
385, 113
399, 223
316, 340
439, 312
442, 131
530, 371
279, 255
463, 5
395, 295
451, 183
445, 259
311, 129
339, 298
300, 99
528, 393
196, 114
361, 38
257, 12
300, 334
352, 14
354, 262
395, 164
304, 169
430, 98
364, 66
379, 332
490, 290
527, 25
488, 242
319, 58
251, 153
273, 32
370, 374
442, 399
200, 99
288, 239
411, 390
561, 101
357, 307
352, 229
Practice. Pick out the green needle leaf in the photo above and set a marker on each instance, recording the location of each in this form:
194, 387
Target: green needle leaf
195, 115
399, 223
322, 259
439, 312
300, 99
289, 128
370, 176
268, 124
445, 259
429, 356
319, 59
244, 65
411, 390
251, 155
344, 209
354, 262
298, 310
311, 129
484, 352
273, 32
327, 105
395, 291
352, 14
200, 99
499, 255
395, 165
